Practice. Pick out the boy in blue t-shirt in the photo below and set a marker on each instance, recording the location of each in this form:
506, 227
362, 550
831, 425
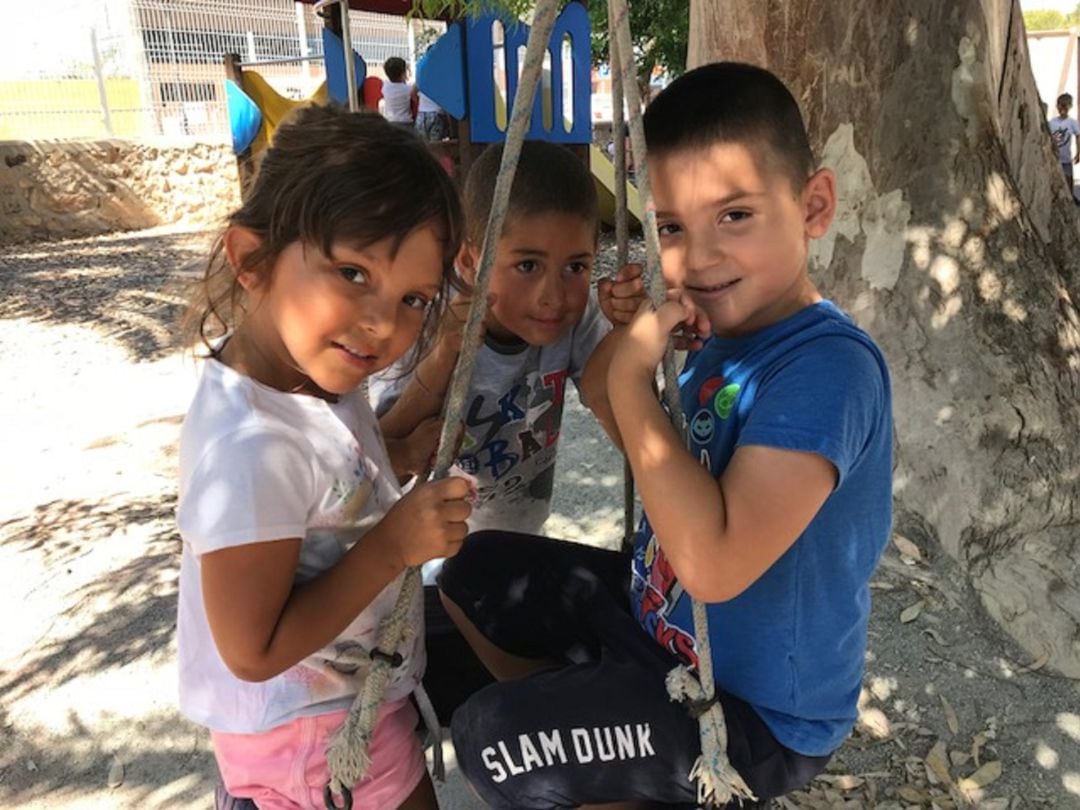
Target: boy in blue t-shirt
774, 517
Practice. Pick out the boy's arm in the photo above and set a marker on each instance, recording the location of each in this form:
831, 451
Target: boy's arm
422, 398
594, 384
719, 536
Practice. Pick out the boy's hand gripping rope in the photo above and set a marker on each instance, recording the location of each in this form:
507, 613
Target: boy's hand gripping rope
347, 753
718, 782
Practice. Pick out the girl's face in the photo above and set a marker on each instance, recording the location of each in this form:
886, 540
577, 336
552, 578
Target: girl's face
321, 324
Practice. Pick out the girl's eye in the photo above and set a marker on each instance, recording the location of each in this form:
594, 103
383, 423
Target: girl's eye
356, 275
527, 266
735, 216
577, 268
417, 302
668, 229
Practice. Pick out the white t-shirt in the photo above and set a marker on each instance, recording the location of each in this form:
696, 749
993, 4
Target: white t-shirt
513, 416
1063, 130
257, 464
397, 102
426, 105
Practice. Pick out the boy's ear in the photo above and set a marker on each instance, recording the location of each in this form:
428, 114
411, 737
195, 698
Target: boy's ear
240, 243
819, 202
467, 260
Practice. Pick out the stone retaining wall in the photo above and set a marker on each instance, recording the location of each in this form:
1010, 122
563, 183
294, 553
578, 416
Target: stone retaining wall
59, 189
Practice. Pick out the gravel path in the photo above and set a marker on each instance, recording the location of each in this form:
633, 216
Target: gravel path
97, 386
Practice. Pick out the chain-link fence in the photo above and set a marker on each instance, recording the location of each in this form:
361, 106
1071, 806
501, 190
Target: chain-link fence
144, 68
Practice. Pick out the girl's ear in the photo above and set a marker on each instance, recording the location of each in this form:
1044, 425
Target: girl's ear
467, 260
819, 202
240, 243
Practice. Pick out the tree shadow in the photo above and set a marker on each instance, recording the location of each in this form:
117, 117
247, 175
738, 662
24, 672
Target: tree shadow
128, 287
165, 762
133, 608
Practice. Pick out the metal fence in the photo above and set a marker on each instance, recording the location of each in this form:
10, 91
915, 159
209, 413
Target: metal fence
145, 68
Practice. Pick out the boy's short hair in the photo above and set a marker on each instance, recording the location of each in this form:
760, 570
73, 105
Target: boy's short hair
549, 179
1065, 98
731, 102
395, 68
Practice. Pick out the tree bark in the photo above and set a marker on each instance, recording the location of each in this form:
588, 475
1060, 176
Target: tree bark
957, 247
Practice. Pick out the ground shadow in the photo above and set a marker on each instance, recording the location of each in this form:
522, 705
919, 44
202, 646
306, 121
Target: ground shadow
139, 598
129, 287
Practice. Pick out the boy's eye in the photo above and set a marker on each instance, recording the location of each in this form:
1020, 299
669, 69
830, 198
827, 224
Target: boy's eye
667, 229
735, 216
356, 275
416, 302
578, 268
527, 266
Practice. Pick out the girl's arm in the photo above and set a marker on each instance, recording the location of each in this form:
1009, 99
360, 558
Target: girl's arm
263, 623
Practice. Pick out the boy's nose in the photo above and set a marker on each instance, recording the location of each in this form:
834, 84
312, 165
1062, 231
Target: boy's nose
552, 290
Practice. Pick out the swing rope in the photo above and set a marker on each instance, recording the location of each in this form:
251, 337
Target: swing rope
717, 781
347, 753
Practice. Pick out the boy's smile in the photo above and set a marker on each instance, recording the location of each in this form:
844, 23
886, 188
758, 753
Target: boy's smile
540, 281
734, 233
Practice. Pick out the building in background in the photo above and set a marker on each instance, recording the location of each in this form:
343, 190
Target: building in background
144, 68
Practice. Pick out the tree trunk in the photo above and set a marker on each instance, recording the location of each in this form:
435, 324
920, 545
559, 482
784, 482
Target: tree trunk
957, 247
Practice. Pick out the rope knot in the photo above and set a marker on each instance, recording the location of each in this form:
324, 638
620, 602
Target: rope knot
717, 781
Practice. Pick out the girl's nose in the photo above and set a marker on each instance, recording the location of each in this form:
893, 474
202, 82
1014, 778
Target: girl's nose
378, 318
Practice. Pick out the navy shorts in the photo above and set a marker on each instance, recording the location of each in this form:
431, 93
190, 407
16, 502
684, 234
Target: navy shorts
599, 726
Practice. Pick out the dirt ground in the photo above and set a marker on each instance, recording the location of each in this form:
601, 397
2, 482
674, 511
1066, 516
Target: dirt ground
954, 713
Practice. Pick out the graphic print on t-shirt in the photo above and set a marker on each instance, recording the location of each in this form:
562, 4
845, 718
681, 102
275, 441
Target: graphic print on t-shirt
660, 593
510, 438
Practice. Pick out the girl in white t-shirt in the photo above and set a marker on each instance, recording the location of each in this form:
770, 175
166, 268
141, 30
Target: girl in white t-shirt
295, 532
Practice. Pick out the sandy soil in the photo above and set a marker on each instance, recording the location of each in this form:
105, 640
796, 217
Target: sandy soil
954, 713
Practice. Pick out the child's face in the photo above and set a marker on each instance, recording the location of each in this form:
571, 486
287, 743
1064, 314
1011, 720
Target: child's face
325, 323
1063, 108
540, 281
734, 233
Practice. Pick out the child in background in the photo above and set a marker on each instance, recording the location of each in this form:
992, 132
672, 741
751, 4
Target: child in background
295, 533
399, 97
774, 516
544, 327
1063, 130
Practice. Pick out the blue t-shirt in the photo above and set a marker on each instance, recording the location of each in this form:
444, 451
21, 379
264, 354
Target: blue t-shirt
792, 644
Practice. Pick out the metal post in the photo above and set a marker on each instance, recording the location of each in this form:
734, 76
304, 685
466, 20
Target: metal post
301, 35
350, 65
102, 95
177, 87
411, 34
252, 55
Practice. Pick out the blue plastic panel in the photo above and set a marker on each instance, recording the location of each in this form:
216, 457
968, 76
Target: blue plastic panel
245, 117
334, 52
480, 62
440, 74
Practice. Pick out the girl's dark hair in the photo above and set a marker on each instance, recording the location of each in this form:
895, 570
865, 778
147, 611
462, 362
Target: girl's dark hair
731, 102
331, 176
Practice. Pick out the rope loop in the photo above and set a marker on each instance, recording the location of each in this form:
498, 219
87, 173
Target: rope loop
331, 802
393, 659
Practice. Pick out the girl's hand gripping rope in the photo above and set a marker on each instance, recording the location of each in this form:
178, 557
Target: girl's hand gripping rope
429, 521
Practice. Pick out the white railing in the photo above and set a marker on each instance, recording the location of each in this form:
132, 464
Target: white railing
145, 68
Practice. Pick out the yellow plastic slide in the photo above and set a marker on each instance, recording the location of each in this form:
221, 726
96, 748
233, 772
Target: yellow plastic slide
603, 172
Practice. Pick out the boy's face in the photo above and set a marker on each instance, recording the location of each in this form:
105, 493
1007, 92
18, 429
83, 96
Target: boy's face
1063, 108
540, 281
734, 233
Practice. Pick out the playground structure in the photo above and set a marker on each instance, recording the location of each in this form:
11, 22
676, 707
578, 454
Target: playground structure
472, 71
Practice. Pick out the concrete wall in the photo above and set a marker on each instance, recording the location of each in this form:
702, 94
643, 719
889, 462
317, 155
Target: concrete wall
59, 189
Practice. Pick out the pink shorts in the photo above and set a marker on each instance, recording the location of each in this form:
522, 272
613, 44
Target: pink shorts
285, 768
